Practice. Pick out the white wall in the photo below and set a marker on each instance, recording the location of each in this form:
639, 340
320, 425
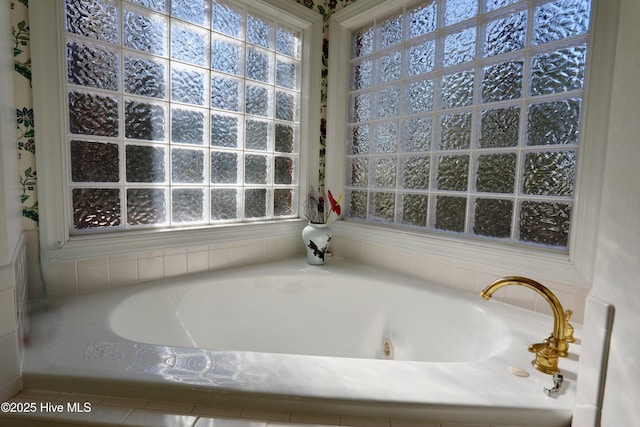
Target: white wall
11, 253
617, 269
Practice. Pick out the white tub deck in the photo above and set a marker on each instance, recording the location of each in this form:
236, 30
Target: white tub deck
74, 348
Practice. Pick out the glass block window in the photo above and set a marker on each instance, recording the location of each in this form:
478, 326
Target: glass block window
180, 113
464, 117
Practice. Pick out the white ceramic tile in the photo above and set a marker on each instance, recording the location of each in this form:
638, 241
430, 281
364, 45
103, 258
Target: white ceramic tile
124, 403
180, 407
237, 255
219, 411
92, 277
174, 251
364, 422
464, 279
123, 272
150, 268
228, 422
321, 419
147, 418
257, 414
175, 264
8, 322
61, 279
218, 258
198, 261
442, 271
98, 414
9, 368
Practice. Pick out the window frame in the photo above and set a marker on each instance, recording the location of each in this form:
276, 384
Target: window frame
56, 238
575, 267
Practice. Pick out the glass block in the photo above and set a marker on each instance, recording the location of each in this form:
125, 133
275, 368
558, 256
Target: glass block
384, 172
560, 19
258, 101
386, 137
95, 208
414, 209
257, 135
361, 75
415, 172
224, 131
496, 173
187, 166
187, 204
450, 213
388, 67
159, 5
421, 58
258, 65
256, 169
196, 11
545, 223
283, 202
285, 141
550, 173
82, 70
359, 139
382, 206
506, 34
497, 4
94, 162
287, 73
360, 108
552, 123
362, 42
387, 102
226, 19
145, 163
492, 218
92, 114
255, 203
455, 131
187, 85
286, 106
453, 173
225, 93
422, 20
558, 71
389, 32
145, 77
418, 97
284, 172
457, 90
224, 167
357, 204
143, 120
145, 32
460, 47
95, 20
187, 126
224, 204
259, 32
502, 81
288, 42
226, 56
458, 10
146, 206
359, 176
189, 44
416, 134
500, 127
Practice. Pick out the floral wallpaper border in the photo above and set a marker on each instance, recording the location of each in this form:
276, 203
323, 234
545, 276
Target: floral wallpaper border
25, 125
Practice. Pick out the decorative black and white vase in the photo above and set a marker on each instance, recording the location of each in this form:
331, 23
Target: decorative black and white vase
317, 238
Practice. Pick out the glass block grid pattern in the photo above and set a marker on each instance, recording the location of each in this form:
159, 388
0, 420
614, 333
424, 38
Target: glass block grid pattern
180, 113
464, 117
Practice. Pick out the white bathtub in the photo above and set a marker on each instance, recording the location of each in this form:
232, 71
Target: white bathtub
343, 338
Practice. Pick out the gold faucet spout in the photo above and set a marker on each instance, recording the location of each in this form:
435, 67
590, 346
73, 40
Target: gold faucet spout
559, 321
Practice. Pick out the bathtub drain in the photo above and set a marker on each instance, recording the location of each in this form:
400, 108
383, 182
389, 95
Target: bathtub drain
387, 349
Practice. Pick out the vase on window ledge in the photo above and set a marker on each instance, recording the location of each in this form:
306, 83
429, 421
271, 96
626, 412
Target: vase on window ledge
316, 237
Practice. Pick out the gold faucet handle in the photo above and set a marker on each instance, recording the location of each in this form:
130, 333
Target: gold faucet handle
568, 328
546, 356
